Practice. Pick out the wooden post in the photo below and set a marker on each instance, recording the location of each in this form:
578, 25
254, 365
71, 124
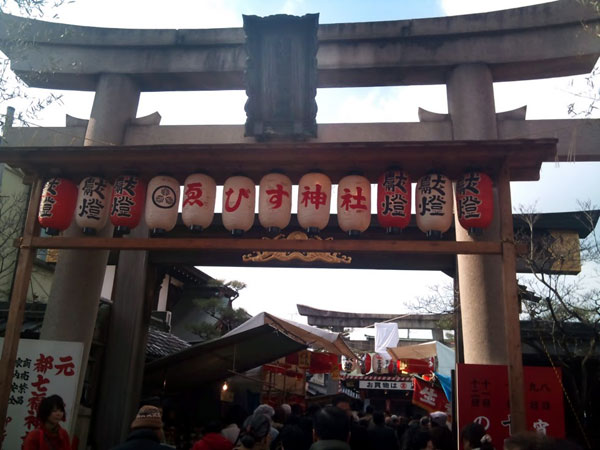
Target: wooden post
511, 306
17, 301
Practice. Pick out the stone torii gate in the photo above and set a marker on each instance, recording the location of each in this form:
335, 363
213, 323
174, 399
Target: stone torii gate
466, 53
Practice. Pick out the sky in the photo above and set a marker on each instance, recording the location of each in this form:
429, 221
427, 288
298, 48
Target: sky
279, 290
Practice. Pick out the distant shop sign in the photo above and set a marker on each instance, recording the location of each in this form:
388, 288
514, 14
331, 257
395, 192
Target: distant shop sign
388, 385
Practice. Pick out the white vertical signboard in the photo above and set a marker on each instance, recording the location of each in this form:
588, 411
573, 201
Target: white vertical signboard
42, 368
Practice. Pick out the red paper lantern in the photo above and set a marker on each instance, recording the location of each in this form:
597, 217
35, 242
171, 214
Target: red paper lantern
199, 195
162, 204
434, 204
92, 204
314, 200
475, 200
127, 203
57, 205
379, 364
393, 200
354, 204
239, 194
275, 202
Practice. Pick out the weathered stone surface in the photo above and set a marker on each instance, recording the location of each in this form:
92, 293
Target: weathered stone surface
546, 40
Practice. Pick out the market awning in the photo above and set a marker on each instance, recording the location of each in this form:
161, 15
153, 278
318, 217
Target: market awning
443, 353
314, 337
260, 340
220, 358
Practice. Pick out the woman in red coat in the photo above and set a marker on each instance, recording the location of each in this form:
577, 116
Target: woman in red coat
213, 439
50, 435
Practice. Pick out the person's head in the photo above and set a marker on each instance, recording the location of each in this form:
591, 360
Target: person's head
417, 438
256, 431
213, 426
438, 419
332, 423
378, 418
293, 437
280, 415
287, 409
425, 421
474, 436
266, 410
149, 417
342, 402
51, 410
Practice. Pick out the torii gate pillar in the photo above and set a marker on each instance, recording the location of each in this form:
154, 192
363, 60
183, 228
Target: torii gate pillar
73, 301
472, 112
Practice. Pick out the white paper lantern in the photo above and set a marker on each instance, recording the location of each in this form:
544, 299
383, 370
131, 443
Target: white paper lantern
275, 202
198, 207
314, 200
93, 197
238, 204
354, 204
434, 204
162, 204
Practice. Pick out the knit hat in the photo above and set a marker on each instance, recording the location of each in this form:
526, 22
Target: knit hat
439, 418
265, 409
147, 417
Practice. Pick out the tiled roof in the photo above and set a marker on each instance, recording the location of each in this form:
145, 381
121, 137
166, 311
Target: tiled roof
161, 343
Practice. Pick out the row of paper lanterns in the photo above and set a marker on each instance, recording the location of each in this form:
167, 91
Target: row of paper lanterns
95, 201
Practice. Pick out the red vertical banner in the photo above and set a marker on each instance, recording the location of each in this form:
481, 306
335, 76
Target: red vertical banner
482, 394
544, 400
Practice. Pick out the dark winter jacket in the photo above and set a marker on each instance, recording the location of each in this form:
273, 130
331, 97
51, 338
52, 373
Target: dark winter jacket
142, 439
382, 438
213, 441
330, 444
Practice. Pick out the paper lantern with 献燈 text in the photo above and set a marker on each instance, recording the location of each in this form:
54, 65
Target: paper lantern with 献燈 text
127, 203
434, 204
57, 205
475, 200
275, 201
354, 204
198, 205
239, 196
314, 201
162, 204
393, 200
93, 199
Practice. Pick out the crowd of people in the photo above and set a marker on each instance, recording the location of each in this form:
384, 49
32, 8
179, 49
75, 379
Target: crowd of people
338, 427
333, 427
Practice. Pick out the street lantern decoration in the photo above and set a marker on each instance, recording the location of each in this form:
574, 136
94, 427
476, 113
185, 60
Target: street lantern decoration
354, 204
127, 203
93, 198
314, 201
379, 364
162, 204
393, 200
434, 204
238, 204
475, 200
57, 205
198, 209
275, 201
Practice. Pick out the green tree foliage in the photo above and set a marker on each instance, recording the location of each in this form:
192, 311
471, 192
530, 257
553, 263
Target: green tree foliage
221, 316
